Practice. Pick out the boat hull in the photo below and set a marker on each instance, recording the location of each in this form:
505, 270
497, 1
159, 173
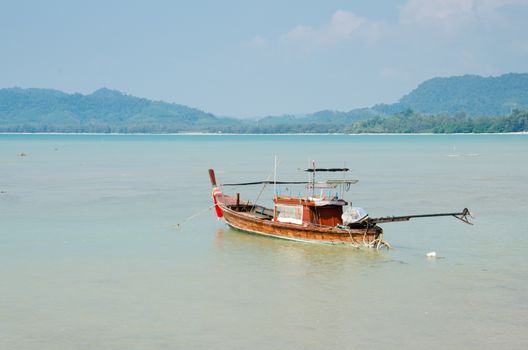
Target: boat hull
357, 237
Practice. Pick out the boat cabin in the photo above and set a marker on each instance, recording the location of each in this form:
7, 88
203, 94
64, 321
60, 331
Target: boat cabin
308, 210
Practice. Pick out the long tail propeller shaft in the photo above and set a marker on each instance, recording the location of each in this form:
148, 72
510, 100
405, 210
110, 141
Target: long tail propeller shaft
462, 216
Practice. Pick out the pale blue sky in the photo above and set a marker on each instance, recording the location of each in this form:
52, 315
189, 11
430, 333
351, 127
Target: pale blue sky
243, 58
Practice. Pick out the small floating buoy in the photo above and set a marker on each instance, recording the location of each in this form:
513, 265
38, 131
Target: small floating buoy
431, 255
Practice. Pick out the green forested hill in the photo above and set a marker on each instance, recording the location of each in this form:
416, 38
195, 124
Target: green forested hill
472, 94
457, 104
44, 110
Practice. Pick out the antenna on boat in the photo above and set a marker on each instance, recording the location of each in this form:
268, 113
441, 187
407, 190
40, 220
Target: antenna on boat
275, 179
313, 178
344, 178
275, 188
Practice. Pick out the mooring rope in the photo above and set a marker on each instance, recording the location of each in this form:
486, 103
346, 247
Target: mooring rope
178, 225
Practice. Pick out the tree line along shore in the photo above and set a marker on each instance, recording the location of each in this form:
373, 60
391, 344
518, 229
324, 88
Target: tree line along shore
407, 122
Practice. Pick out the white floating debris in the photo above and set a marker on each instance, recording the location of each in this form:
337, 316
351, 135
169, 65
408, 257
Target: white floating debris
431, 255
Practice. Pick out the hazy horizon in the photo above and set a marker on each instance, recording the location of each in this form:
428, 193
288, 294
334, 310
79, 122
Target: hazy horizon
241, 59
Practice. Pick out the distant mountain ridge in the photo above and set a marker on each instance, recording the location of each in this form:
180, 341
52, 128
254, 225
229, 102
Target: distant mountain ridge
105, 110
470, 94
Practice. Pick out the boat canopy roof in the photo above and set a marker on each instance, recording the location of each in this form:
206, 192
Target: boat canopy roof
268, 183
309, 184
316, 170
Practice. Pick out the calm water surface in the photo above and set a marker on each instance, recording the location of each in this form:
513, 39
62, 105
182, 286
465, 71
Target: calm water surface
91, 257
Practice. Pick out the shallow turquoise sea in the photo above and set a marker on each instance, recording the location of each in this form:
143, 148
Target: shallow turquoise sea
91, 255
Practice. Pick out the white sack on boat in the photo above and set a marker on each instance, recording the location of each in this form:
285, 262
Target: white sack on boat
353, 215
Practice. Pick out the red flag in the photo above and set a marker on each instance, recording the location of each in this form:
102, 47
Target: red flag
217, 192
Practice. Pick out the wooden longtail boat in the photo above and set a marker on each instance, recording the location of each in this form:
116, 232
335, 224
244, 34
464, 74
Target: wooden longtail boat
310, 219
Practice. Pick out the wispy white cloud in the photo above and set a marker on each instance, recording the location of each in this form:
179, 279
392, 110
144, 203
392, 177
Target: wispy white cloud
454, 34
436, 11
257, 41
343, 25
447, 16
452, 14
300, 33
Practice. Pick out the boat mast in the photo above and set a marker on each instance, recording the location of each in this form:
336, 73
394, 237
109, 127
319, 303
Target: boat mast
342, 187
275, 189
313, 178
275, 179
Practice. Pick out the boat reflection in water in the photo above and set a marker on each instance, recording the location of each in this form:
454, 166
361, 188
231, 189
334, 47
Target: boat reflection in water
283, 254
